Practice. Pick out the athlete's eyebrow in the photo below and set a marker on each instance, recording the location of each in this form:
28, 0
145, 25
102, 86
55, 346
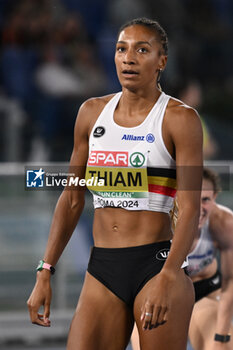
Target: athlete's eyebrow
137, 43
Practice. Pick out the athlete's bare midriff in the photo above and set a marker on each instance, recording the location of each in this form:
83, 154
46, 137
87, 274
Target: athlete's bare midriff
116, 227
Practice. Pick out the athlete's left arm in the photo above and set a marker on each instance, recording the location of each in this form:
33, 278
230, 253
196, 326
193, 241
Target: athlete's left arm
183, 137
186, 134
221, 225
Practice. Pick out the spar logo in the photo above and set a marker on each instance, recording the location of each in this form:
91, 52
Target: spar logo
137, 159
108, 158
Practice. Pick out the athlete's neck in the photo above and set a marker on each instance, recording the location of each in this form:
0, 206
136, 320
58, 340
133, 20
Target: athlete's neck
141, 103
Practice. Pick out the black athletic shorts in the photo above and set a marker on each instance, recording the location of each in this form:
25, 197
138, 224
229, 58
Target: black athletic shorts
125, 271
207, 286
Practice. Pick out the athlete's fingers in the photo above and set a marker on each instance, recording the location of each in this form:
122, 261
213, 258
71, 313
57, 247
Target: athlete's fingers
41, 322
147, 321
165, 316
142, 313
47, 313
161, 319
146, 317
32, 311
156, 313
38, 319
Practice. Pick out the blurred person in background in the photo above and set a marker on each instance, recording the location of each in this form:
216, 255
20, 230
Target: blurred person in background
24, 33
44, 70
65, 76
191, 94
135, 273
211, 324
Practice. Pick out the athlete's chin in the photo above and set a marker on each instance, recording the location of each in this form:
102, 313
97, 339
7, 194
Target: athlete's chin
131, 84
202, 221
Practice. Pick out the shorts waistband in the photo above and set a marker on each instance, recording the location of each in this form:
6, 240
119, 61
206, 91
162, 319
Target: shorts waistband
125, 251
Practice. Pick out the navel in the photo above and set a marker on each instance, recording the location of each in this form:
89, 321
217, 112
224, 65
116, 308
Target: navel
115, 228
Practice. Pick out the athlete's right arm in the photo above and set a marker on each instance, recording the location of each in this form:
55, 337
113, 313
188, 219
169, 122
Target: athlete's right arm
66, 215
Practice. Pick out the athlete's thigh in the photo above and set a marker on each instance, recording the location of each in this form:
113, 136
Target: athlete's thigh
174, 333
101, 321
203, 324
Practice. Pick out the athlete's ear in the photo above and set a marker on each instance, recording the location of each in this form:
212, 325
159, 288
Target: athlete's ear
162, 62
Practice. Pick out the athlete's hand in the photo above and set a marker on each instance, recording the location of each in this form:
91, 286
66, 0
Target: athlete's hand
157, 304
40, 296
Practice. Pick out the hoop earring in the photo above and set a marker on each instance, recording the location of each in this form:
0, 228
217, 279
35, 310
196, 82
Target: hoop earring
159, 75
158, 79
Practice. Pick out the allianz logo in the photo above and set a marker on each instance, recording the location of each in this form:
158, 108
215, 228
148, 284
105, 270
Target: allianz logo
162, 254
130, 137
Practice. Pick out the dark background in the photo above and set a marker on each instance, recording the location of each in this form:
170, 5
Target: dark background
56, 54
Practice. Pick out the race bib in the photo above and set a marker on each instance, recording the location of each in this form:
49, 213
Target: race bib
118, 179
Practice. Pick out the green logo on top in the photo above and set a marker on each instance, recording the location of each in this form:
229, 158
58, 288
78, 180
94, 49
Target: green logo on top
137, 159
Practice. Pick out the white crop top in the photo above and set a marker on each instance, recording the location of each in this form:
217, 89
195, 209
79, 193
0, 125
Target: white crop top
203, 254
130, 167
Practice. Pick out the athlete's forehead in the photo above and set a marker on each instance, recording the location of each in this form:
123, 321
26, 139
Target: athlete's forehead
207, 185
137, 34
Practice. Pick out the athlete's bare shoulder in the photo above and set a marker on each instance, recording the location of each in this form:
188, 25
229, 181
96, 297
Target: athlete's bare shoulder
178, 109
90, 110
182, 123
95, 105
221, 224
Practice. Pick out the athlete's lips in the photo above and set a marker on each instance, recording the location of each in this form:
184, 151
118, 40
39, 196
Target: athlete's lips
129, 72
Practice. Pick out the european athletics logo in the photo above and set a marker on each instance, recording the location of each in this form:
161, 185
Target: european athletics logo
35, 178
